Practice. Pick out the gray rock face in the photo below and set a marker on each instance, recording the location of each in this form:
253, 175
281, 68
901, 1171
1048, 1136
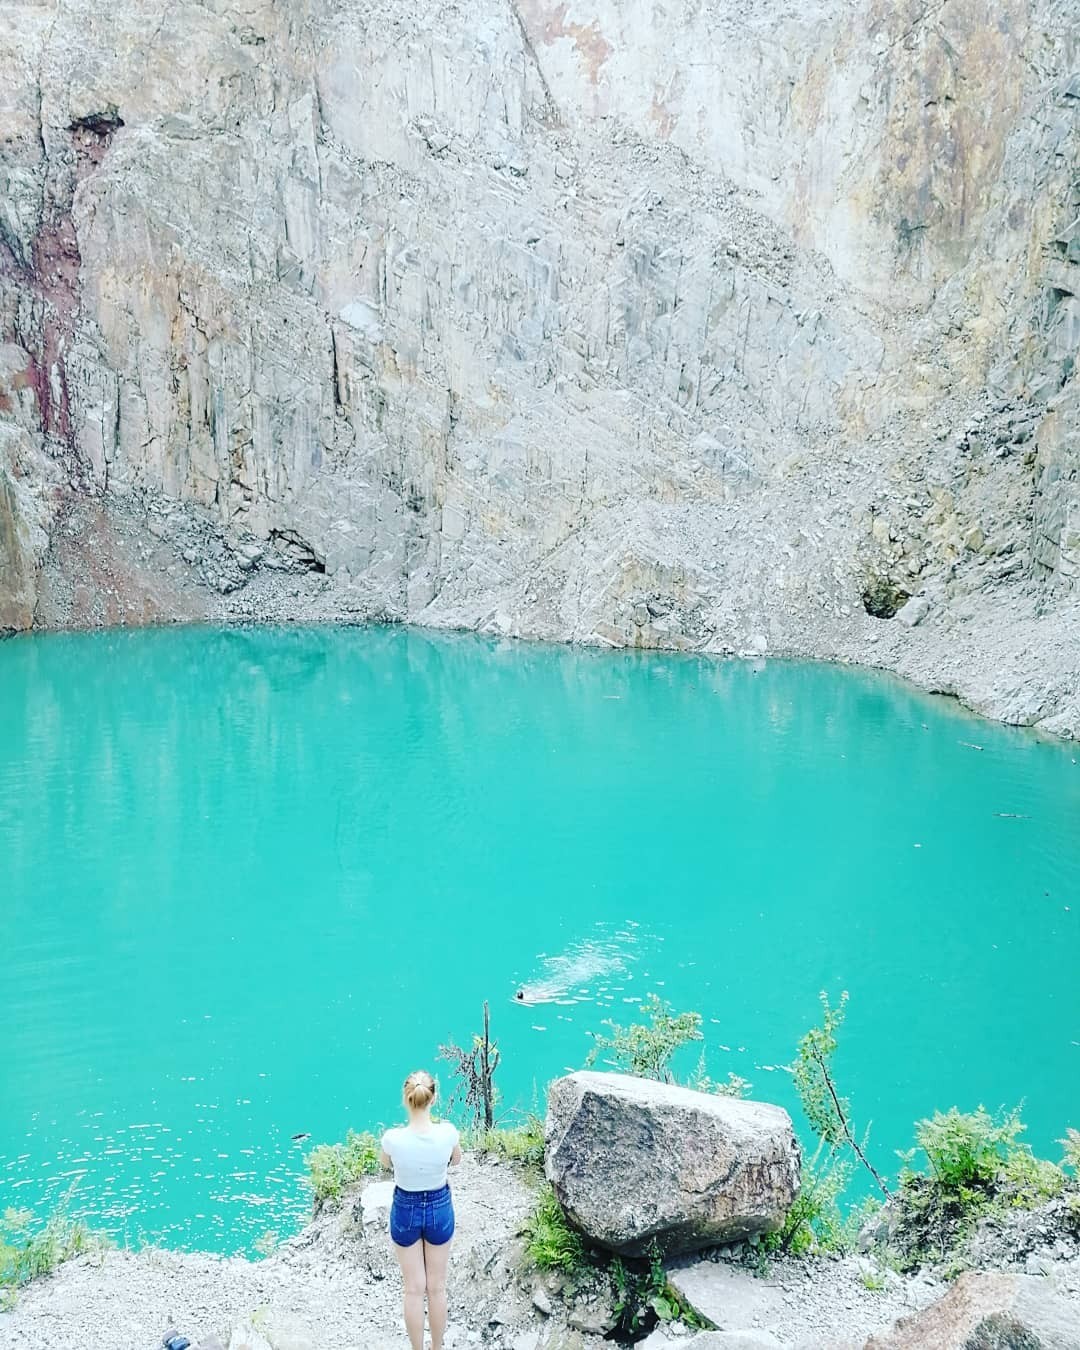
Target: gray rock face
632, 1160
653, 325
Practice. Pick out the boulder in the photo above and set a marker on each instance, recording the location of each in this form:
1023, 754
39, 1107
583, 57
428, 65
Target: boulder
985, 1311
632, 1160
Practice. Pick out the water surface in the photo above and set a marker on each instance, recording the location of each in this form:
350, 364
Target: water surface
249, 879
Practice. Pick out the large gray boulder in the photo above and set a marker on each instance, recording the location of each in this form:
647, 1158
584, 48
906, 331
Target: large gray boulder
632, 1160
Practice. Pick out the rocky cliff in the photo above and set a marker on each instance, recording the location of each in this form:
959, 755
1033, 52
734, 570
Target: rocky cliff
709, 324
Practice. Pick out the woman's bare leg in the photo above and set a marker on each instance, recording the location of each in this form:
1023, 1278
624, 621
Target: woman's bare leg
411, 1261
436, 1259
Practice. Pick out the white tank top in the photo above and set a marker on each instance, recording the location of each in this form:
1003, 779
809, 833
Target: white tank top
420, 1160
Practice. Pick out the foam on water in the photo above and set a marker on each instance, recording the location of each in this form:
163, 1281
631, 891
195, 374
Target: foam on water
566, 977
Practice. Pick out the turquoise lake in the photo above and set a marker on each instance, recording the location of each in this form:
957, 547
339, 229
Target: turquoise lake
250, 879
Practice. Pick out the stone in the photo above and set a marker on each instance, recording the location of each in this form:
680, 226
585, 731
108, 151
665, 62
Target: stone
632, 1160
285, 1332
733, 1340
246, 1337
526, 1340
541, 1300
375, 1201
985, 1311
974, 539
595, 1317
914, 611
730, 1297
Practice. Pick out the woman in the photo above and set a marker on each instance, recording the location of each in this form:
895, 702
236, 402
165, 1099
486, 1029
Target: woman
422, 1214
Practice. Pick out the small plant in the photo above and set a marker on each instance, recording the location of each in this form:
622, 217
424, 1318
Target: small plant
474, 1070
550, 1242
732, 1086
1071, 1145
522, 1143
829, 1114
814, 1222
644, 1296
646, 1050
334, 1167
967, 1150
872, 1279
1031, 1180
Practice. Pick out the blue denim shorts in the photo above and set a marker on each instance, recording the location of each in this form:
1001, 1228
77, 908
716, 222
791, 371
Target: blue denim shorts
422, 1214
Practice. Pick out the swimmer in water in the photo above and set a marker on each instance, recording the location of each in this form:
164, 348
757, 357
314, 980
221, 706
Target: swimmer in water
536, 993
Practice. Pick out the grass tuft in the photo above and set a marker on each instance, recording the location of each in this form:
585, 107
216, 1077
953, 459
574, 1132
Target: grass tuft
522, 1143
29, 1254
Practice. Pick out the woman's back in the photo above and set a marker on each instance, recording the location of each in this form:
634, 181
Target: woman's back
420, 1157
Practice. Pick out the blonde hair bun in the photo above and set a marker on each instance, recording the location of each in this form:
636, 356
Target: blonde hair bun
419, 1090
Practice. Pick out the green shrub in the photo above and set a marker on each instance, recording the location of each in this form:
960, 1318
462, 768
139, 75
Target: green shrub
646, 1050
334, 1167
550, 1242
1031, 1179
522, 1143
967, 1150
977, 1168
28, 1254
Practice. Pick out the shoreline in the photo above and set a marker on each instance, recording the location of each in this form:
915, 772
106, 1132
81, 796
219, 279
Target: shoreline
995, 641
1058, 727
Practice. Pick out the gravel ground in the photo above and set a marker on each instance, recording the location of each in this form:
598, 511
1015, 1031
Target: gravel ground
333, 1287
336, 1287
